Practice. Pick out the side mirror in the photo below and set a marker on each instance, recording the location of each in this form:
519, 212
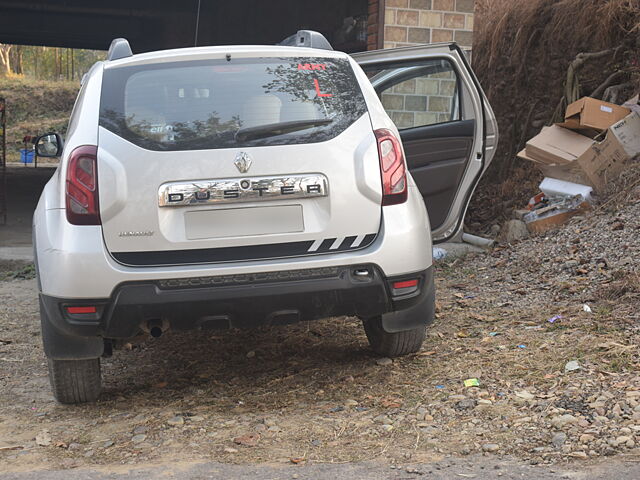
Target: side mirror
49, 145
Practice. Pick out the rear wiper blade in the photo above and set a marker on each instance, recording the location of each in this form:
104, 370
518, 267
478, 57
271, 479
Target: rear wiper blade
280, 128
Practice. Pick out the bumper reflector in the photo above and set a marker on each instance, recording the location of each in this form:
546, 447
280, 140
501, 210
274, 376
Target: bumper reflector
405, 284
80, 310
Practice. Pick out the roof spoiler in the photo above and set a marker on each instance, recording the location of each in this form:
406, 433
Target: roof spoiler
307, 38
118, 49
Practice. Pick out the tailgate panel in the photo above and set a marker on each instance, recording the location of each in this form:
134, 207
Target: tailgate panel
239, 222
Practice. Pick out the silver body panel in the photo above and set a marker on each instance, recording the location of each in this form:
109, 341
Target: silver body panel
76, 261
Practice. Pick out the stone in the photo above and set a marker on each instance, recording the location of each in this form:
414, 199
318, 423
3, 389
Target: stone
558, 439
466, 404
196, 419
384, 362
176, 421
139, 429
622, 440
513, 230
560, 421
525, 395
230, 450
350, 403
578, 455
490, 447
108, 443
586, 438
139, 438
43, 438
383, 420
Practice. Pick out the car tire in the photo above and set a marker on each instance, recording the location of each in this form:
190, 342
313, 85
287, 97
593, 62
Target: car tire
393, 344
75, 381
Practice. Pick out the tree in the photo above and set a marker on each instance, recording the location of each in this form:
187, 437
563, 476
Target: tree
5, 59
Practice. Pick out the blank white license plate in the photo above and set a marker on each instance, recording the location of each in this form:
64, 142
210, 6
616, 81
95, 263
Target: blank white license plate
242, 222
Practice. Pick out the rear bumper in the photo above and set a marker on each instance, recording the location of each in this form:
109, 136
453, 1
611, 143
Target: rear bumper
239, 301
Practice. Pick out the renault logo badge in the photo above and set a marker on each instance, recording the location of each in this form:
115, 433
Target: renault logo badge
243, 162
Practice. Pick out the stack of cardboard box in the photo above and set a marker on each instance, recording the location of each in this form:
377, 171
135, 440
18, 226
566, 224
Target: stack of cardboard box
586, 151
592, 145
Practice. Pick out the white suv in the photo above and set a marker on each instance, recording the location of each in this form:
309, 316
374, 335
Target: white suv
219, 187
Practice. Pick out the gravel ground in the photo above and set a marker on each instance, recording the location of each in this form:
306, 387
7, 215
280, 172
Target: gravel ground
314, 394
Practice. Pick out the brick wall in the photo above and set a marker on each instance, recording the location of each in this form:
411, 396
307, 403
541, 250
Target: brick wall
373, 42
410, 22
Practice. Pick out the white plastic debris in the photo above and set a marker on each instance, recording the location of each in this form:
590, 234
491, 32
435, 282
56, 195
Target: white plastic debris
587, 308
553, 187
572, 366
439, 253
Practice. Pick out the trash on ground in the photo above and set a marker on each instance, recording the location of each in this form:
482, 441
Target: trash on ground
572, 366
564, 154
587, 308
472, 382
494, 334
522, 346
552, 187
554, 212
591, 116
555, 318
439, 253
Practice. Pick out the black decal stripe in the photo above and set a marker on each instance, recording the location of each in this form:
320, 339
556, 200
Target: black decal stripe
368, 240
234, 254
326, 244
346, 243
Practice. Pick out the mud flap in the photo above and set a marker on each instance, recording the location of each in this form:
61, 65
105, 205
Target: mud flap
421, 314
61, 346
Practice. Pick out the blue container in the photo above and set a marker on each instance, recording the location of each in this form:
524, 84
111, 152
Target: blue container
26, 155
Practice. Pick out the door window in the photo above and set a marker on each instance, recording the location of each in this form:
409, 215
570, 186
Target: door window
419, 95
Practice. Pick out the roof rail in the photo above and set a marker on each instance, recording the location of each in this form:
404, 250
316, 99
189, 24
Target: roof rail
118, 49
307, 38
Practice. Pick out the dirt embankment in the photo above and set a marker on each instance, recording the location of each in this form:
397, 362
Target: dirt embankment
522, 51
35, 107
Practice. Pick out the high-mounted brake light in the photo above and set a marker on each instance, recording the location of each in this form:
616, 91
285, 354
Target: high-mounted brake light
82, 186
392, 168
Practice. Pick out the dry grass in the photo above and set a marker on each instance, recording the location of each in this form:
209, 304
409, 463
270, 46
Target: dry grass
35, 107
522, 50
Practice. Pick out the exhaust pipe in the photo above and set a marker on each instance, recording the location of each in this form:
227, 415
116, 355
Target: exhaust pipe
155, 331
155, 328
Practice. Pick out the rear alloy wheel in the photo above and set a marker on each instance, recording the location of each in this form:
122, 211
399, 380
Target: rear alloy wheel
75, 381
393, 344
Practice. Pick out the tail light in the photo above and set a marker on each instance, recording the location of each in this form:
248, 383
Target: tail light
82, 187
392, 167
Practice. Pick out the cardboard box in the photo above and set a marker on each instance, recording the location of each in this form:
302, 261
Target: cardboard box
592, 114
558, 146
594, 163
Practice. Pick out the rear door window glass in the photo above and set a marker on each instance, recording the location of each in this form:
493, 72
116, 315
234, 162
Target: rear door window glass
238, 103
419, 95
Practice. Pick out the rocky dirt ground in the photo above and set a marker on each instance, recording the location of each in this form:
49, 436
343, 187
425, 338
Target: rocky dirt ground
556, 383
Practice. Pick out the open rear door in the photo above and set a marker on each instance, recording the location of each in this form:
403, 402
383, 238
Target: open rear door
446, 124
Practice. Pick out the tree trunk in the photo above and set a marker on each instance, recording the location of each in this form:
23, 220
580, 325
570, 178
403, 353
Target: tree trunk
5, 60
17, 60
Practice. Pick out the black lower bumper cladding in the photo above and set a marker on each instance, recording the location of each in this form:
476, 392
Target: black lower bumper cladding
234, 301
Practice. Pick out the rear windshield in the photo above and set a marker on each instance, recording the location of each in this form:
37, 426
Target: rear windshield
236, 103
